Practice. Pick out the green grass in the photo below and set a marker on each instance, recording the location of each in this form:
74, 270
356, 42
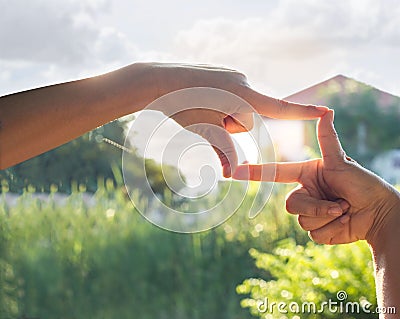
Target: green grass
107, 261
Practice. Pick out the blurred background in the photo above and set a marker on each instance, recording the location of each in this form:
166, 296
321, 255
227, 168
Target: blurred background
71, 243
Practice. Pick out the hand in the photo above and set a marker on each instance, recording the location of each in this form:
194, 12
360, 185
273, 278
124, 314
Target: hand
31, 124
338, 201
206, 117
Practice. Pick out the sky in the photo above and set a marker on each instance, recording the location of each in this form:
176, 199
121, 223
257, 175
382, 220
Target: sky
282, 46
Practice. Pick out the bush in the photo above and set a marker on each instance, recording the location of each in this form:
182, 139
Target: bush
103, 260
311, 274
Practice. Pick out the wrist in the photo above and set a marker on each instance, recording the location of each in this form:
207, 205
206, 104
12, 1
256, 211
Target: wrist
127, 90
384, 246
386, 226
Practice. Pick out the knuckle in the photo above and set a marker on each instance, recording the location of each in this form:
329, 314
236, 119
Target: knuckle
293, 201
331, 133
303, 223
316, 237
320, 210
312, 236
309, 108
277, 178
290, 204
282, 105
238, 75
315, 211
254, 173
251, 172
241, 75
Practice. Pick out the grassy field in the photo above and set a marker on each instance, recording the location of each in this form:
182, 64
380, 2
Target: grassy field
106, 261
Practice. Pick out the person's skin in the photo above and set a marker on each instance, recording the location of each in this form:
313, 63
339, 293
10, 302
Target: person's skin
35, 121
338, 201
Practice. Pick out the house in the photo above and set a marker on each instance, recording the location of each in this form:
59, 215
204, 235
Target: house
291, 138
387, 165
318, 93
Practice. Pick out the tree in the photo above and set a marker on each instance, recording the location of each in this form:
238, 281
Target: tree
365, 127
305, 278
83, 161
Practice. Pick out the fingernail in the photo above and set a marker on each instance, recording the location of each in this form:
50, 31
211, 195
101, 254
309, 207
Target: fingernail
226, 170
344, 219
241, 172
335, 211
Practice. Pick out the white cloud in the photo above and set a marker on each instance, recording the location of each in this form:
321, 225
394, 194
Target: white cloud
282, 47
43, 31
57, 41
298, 43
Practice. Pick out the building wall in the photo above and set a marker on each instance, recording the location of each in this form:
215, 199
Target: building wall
387, 165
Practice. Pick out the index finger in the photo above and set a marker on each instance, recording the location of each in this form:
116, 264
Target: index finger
281, 109
271, 172
221, 142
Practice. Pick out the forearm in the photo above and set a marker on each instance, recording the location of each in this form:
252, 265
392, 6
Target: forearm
385, 249
35, 121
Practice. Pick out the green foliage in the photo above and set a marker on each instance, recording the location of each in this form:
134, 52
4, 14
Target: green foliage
381, 124
144, 171
8, 287
103, 260
365, 127
310, 274
81, 161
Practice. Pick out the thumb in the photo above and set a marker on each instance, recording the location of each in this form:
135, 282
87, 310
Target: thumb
328, 140
222, 144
